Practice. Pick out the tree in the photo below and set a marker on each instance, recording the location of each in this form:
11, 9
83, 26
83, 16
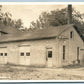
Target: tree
42, 22
6, 18
18, 23
57, 18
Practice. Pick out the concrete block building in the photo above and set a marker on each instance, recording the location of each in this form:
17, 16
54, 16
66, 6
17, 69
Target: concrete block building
49, 47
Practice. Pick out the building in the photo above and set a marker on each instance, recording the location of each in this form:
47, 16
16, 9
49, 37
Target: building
50, 47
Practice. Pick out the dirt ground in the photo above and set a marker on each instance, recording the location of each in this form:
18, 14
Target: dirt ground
32, 73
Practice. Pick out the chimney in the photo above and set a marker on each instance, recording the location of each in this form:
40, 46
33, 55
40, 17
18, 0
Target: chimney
69, 14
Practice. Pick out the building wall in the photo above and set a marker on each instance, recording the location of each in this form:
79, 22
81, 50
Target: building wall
71, 45
38, 51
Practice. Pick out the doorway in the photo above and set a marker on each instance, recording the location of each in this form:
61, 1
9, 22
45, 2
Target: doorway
49, 57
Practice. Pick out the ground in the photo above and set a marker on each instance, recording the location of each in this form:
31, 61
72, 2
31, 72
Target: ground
8, 72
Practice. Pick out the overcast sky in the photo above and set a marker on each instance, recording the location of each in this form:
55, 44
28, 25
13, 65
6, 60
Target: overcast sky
30, 13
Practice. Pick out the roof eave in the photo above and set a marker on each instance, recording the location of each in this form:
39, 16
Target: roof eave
33, 39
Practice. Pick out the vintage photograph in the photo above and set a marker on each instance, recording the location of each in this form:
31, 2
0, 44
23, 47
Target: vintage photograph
41, 42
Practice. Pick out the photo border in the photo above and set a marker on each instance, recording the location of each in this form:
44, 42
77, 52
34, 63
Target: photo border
41, 81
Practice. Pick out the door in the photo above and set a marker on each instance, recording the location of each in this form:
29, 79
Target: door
3, 55
27, 58
25, 55
49, 57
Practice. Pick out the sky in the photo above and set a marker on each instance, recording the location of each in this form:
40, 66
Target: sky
29, 13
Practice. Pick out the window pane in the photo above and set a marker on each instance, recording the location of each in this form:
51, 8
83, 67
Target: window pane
5, 54
28, 54
22, 54
50, 54
1, 54
71, 34
63, 52
77, 53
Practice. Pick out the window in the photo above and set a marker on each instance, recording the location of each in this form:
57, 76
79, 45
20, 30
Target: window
1, 54
28, 54
63, 52
22, 54
71, 34
77, 53
0, 18
5, 54
49, 54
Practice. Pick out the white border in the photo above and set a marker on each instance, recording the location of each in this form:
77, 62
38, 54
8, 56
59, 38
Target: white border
82, 81
41, 3
42, 81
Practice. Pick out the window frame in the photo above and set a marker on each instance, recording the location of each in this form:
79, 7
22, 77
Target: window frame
5, 54
27, 53
64, 54
22, 53
1, 54
71, 34
50, 52
78, 50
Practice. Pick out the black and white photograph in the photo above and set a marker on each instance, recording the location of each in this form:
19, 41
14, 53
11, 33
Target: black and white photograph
41, 42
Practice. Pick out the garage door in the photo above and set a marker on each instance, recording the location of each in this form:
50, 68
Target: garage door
24, 52
3, 55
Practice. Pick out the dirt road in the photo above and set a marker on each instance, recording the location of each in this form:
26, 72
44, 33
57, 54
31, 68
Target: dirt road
29, 73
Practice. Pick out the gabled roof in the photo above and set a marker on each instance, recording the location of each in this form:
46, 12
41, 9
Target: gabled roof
78, 31
46, 33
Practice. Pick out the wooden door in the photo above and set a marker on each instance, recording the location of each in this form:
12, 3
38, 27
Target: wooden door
3, 55
49, 57
25, 55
